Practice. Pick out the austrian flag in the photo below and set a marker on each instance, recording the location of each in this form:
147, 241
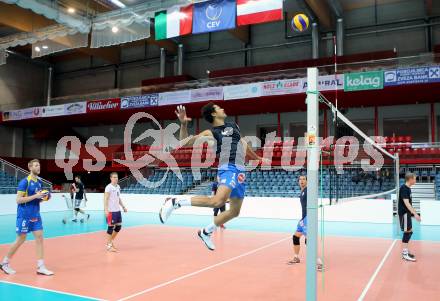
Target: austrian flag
173, 22
258, 11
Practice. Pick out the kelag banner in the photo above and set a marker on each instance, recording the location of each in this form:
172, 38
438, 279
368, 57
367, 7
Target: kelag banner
363, 81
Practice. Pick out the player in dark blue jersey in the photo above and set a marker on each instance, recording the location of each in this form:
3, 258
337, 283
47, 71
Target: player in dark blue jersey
29, 196
301, 229
231, 151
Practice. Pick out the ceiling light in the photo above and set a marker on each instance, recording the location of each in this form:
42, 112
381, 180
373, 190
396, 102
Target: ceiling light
115, 29
45, 47
118, 3
37, 49
71, 10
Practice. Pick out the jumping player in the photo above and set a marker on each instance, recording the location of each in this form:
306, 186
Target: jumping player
302, 224
112, 209
231, 152
79, 196
29, 196
405, 210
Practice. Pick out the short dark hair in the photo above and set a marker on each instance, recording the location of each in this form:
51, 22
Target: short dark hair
305, 176
113, 173
207, 111
78, 177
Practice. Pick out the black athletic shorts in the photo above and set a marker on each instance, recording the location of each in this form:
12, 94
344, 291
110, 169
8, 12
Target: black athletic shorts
405, 222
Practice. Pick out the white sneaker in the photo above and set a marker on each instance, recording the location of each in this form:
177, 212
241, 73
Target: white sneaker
5, 267
42, 270
167, 208
408, 257
206, 238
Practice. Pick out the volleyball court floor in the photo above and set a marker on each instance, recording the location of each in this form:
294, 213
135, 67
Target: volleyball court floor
156, 262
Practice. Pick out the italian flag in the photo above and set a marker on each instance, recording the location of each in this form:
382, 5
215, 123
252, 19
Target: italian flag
258, 11
173, 22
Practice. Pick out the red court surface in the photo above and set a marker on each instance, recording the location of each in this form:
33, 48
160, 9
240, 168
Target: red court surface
170, 263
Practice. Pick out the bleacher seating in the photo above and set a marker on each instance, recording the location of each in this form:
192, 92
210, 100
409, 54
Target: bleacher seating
8, 183
262, 183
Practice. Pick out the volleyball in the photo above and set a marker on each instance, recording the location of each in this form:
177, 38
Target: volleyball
46, 196
300, 22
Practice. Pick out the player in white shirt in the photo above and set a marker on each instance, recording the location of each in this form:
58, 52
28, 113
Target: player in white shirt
112, 209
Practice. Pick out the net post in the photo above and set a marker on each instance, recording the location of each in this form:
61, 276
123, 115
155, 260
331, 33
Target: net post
397, 175
312, 179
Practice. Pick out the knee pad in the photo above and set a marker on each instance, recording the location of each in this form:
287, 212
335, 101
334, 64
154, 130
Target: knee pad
77, 209
110, 230
406, 237
295, 240
118, 228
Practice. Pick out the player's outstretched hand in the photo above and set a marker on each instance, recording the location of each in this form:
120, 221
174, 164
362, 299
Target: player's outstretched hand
181, 115
125, 209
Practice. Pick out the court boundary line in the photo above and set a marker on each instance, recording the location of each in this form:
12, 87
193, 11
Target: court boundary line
376, 272
50, 290
163, 284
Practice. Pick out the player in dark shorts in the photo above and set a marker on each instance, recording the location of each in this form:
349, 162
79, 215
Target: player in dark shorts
231, 152
79, 196
72, 192
301, 229
222, 208
405, 210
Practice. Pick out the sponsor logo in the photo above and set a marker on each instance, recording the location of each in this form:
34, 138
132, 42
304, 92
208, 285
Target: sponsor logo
390, 76
363, 81
213, 11
228, 131
103, 105
241, 177
75, 108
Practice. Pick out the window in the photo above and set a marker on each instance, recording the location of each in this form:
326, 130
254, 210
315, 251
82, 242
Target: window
417, 128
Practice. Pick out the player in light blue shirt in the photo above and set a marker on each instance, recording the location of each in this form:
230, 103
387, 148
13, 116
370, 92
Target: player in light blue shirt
29, 196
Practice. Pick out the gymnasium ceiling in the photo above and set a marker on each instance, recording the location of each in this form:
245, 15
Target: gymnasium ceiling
15, 19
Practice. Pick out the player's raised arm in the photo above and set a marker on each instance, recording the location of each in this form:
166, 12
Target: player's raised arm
185, 139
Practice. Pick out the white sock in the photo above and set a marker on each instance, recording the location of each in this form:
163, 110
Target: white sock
40, 263
5, 260
405, 251
210, 228
184, 202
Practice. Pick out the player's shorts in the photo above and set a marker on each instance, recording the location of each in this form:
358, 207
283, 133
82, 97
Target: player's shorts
405, 222
114, 218
77, 203
302, 226
234, 178
25, 225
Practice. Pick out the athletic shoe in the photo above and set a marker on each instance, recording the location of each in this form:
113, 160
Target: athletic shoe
6, 268
406, 257
320, 267
74, 220
411, 255
206, 238
42, 270
294, 260
110, 248
88, 216
167, 208
81, 220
